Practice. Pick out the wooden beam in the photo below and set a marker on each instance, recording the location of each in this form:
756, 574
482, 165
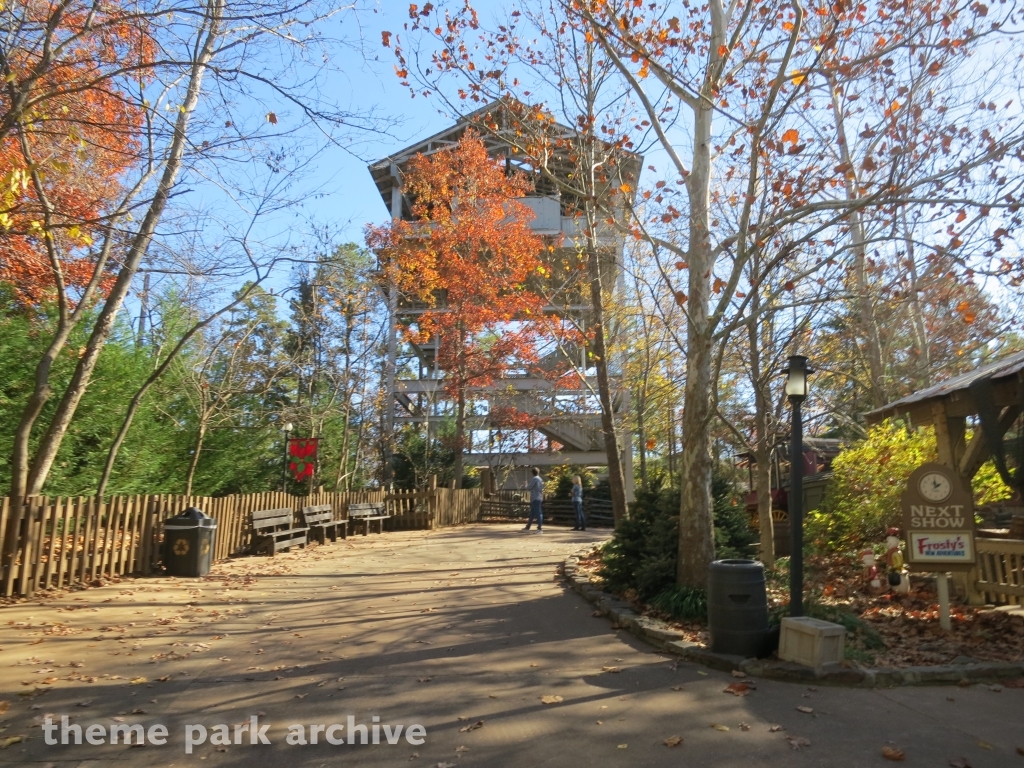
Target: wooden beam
943, 439
977, 450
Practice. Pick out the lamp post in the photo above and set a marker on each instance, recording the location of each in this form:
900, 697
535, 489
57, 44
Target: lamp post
286, 428
796, 390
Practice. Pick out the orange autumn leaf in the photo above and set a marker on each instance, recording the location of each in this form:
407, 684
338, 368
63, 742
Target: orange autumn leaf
792, 135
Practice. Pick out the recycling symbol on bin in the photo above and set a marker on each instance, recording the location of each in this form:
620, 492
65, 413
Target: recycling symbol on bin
204, 547
181, 547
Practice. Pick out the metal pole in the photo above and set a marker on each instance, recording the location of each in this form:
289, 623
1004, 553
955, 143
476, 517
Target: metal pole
796, 510
284, 466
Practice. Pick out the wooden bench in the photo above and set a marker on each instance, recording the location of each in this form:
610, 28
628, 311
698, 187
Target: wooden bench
320, 520
366, 513
273, 529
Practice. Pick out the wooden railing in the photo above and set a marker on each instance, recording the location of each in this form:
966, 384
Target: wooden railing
57, 542
999, 574
515, 506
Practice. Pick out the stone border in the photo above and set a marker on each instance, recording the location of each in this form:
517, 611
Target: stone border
663, 636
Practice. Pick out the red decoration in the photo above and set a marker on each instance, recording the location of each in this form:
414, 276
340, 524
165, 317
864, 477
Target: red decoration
302, 451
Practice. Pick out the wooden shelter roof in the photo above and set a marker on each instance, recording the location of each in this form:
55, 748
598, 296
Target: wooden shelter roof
954, 395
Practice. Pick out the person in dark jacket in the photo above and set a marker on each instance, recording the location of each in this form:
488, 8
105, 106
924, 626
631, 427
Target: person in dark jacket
577, 504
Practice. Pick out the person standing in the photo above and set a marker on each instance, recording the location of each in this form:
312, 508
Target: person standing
577, 503
536, 489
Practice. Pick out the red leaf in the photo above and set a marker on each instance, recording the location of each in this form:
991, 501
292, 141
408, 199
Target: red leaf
385, 38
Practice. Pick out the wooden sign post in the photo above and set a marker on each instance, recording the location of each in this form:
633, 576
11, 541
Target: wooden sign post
938, 517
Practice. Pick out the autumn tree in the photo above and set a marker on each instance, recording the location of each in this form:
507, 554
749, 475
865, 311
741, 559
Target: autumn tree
120, 97
467, 259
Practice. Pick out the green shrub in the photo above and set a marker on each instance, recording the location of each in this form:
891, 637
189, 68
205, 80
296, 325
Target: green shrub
682, 602
863, 498
643, 553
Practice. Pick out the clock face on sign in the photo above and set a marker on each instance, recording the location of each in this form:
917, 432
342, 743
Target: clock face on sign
935, 487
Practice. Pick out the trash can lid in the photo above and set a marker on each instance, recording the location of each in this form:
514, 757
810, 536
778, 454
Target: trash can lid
193, 517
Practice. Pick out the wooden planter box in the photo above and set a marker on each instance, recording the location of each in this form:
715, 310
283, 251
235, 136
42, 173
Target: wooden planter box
811, 642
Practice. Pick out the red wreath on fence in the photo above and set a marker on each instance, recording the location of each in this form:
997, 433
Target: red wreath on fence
302, 451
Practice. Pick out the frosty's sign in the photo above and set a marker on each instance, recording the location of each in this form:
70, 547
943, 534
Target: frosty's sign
932, 548
938, 516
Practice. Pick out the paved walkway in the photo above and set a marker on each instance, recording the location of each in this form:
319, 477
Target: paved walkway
446, 629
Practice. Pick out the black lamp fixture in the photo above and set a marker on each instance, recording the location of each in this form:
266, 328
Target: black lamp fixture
287, 428
796, 372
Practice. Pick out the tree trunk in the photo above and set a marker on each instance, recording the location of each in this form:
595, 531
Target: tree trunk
50, 443
641, 433
924, 358
696, 513
460, 435
195, 457
763, 438
616, 477
867, 322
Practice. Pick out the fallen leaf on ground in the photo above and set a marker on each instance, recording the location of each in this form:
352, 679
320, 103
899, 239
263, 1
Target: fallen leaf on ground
805, 710
964, 682
445, 765
797, 742
492, 696
892, 753
611, 669
737, 689
984, 745
744, 727
673, 741
737, 673
424, 679
4, 706
702, 672
472, 726
597, 614
137, 681
775, 728
718, 727
960, 762
551, 699
460, 749
623, 746
6, 742
163, 679
677, 687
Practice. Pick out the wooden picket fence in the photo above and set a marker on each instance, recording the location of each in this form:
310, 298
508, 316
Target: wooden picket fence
57, 542
999, 575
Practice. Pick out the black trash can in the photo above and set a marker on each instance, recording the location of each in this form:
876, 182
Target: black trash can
188, 543
737, 607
